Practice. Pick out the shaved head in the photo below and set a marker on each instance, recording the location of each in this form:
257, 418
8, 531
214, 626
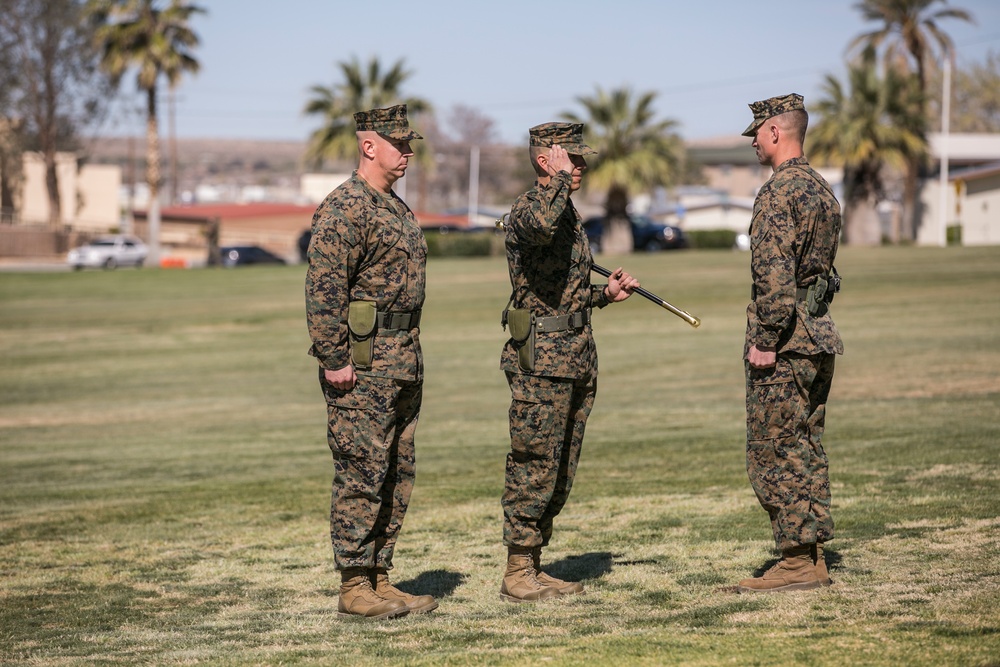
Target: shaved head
794, 123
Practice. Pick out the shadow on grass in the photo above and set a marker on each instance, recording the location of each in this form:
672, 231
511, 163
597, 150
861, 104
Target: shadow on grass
577, 568
439, 583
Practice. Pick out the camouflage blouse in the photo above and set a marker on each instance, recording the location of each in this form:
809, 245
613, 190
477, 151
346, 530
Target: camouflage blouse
549, 260
794, 237
365, 245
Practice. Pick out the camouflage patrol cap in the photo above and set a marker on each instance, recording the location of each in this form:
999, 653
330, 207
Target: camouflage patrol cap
390, 122
567, 135
771, 107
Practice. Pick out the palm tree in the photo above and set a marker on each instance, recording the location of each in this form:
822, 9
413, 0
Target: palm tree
634, 152
363, 88
875, 124
911, 38
157, 43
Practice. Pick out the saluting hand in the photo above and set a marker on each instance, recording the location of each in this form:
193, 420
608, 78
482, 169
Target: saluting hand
620, 285
559, 160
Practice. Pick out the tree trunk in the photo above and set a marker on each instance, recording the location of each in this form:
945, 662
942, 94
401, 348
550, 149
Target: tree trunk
861, 222
11, 169
911, 204
52, 186
616, 239
860, 215
153, 177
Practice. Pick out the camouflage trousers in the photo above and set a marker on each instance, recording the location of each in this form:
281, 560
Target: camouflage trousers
370, 432
788, 469
547, 420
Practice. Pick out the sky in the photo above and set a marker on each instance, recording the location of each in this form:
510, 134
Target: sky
524, 62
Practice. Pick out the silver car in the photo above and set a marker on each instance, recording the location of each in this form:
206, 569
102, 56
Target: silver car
109, 252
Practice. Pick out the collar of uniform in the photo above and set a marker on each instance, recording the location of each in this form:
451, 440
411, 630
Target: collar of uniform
383, 199
793, 161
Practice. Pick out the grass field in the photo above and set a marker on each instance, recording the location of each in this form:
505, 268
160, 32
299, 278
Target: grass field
164, 476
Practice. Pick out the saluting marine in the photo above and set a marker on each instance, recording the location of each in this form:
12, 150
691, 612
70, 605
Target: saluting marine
550, 360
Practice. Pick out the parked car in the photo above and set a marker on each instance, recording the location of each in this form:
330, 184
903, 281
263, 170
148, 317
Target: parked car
109, 252
647, 234
303, 243
240, 255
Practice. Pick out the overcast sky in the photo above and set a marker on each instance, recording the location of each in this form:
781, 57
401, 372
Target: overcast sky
523, 62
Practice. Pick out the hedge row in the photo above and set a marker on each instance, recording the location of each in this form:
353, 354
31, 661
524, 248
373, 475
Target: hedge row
464, 244
711, 238
487, 242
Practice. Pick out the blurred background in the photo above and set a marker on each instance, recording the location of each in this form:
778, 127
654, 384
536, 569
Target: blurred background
196, 128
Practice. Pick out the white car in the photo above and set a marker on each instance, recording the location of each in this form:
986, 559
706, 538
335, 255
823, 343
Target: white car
109, 252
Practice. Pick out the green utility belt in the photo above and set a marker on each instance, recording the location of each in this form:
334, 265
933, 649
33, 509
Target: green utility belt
817, 296
524, 325
364, 322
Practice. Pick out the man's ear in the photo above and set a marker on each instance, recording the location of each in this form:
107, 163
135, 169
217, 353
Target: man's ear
541, 160
368, 148
775, 133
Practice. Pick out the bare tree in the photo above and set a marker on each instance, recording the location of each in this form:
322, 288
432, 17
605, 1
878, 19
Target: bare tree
975, 89
56, 86
471, 126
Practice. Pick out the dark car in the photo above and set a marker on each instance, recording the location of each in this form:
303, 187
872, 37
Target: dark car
647, 234
240, 255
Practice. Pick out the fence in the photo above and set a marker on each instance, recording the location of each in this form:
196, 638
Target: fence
37, 241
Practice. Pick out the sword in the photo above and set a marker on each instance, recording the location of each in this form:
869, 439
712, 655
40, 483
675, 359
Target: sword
597, 268
687, 317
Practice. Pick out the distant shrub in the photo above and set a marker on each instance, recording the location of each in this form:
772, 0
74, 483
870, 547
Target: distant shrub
954, 234
711, 238
461, 244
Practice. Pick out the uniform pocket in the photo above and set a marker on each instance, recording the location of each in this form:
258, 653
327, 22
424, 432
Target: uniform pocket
357, 418
771, 402
534, 422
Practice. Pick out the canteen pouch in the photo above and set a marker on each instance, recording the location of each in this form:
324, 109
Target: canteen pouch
816, 297
819, 295
522, 332
361, 327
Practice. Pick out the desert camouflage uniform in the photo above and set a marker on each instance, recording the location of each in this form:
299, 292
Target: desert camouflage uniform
794, 237
549, 260
366, 245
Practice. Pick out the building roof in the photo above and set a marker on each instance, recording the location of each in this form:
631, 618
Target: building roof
975, 173
731, 150
204, 212
968, 148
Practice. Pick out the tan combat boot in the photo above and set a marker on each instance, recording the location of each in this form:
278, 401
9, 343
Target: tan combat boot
519, 581
417, 604
563, 587
796, 571
358, 598
821, 572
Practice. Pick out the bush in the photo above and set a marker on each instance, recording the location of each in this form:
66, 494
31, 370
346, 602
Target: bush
712, 238
954, 234
463, 244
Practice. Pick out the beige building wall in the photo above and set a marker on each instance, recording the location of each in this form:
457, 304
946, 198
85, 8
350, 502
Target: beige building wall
98, 187
35, 194
981, 211
88, 195
315, 187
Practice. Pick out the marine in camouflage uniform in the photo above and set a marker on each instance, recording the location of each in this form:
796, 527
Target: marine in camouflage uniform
549, 262
790, 348
367, 249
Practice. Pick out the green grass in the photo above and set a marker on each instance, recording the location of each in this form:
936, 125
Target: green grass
164, 476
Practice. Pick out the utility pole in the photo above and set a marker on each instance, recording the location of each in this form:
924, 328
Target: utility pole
172, 99
945, 127
473, 185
